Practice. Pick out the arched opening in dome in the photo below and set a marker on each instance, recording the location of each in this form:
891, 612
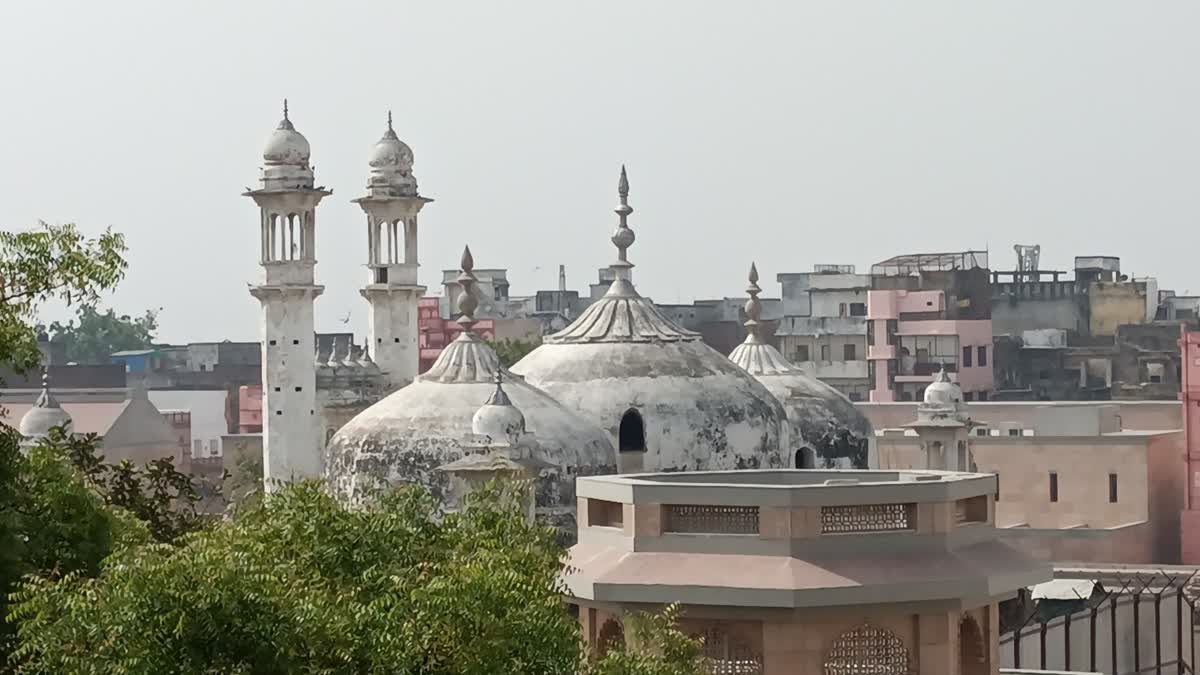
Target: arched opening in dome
632, 432
806, 458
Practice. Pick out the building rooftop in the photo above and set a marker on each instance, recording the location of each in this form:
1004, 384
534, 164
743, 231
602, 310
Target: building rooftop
912, 263
792, 538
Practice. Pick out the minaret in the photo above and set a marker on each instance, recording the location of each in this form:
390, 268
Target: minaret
288, 202
392, 205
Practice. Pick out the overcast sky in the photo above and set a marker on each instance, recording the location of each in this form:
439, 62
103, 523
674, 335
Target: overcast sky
789, 133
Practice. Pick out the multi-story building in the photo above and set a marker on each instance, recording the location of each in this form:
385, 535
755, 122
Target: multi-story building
823, 329
926, 312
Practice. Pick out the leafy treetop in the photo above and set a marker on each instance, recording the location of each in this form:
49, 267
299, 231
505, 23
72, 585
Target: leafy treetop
48, 262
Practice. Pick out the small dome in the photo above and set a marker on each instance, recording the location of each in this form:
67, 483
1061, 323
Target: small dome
45, 414
287, 146
498, 418
942, 392
391, 162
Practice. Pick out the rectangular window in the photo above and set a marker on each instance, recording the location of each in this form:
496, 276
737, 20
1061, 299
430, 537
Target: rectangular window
602, 513
997, 475
1112, 488
966, 360
968, 396
981, 356
1053, 486
983, 396
893, 325
870, 333
842, 309
1014, 432
824, 352
849, 352
981, 431
858, 309
855, 396
801, 354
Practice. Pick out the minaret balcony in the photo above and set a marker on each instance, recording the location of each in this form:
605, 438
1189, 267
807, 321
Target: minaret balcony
398, 274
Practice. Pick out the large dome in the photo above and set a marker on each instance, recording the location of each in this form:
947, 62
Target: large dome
407, 436
826, 428
661, 394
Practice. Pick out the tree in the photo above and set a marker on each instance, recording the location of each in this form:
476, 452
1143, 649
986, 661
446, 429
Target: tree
300, 583
51, 261
511, 350
93, 335
656, 647
52, 522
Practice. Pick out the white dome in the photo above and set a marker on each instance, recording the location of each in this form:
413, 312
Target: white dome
391, 162
287, 146
405, 437
942, 392
498, 419
45, 415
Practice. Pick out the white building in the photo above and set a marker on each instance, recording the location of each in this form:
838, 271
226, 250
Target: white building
824, 326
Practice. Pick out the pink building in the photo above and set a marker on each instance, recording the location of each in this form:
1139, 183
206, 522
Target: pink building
1189, 394
909, 339
435, 332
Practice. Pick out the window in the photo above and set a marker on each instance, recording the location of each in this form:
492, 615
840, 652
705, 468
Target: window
801, 353
858, 309
824, 352
968, 396
1112, 488
849, 352
603, 513
893, 325
203, 367
981, 431
997, 486
855, 396
966, 360
981, 356
1043, 374
196, 448
1054, 486
983, 396
272, 343
870, 333
842, 309
1014, 432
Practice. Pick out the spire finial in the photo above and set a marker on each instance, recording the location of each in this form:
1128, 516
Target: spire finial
45, 378
467, 303
753, 306
623, 238
499, 397
285, 109
389, 120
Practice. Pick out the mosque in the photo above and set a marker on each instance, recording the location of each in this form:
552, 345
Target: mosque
621, 389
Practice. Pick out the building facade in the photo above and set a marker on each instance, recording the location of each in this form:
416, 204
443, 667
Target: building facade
785, 571
823, 329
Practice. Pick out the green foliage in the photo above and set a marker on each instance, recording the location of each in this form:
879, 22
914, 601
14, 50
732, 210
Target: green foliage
157, 494
655, 647
52, 523
93, 335
301, 584
511, 350
51, 261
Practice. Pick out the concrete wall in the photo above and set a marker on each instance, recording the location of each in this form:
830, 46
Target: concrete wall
207, 409
1140, 527
1142, 415
1113, 304
1011, 318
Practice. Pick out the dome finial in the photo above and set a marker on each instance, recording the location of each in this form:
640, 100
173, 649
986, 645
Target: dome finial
467, 303
623, 238
390, 120
753, 306
285, 109
499, 397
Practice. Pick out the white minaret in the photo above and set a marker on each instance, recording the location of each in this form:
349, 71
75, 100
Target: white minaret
392, 205
288, 202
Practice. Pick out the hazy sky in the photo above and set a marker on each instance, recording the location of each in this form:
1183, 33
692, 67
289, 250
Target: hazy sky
789, 133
